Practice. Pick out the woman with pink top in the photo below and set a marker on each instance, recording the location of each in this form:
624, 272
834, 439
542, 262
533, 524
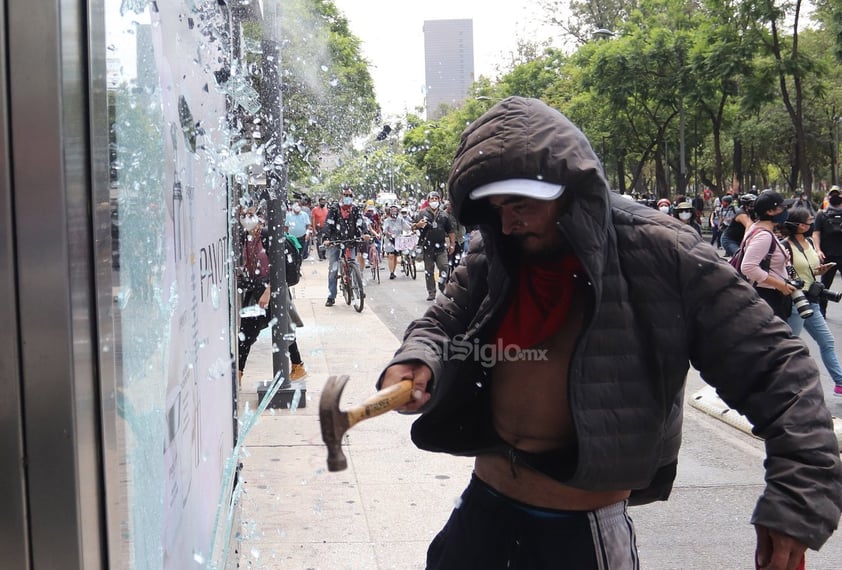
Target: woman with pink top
765, 260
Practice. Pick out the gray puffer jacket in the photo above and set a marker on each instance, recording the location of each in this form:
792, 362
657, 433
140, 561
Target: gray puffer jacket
661, 298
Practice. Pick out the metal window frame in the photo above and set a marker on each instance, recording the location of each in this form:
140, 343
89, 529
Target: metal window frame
53, 204
14, 546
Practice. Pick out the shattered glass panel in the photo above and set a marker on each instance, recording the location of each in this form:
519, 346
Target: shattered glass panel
172, 164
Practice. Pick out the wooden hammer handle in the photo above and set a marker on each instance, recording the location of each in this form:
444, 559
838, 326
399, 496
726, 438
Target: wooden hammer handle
385, 400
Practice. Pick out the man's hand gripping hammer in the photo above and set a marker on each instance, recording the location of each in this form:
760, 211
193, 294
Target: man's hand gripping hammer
335, 423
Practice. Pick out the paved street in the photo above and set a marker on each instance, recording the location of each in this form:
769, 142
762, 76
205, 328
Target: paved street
382, 511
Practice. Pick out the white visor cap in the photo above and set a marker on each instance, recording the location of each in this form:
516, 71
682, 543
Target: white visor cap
530, 188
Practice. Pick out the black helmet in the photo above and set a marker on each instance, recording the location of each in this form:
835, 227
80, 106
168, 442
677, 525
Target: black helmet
747, 200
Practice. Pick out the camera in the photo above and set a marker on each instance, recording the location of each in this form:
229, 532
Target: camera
818, 291
799, 299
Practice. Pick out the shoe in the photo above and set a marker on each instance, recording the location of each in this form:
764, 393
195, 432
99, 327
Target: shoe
330, 302
837, 390
297, 372
431, 297
391, 276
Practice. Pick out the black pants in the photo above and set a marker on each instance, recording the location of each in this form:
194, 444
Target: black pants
250, 328
488, 531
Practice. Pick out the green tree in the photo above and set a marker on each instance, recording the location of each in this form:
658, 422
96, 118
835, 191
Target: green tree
326, 88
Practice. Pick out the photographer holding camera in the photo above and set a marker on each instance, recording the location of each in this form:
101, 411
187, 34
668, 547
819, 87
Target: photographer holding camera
805, 261
765, 260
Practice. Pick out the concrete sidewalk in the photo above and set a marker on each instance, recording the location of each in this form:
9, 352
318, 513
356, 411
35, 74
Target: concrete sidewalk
385, 508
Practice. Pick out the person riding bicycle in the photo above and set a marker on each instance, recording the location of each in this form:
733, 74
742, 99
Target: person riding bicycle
344, 222
393, 226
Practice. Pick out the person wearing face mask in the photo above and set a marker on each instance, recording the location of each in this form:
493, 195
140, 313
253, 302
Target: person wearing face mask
255, 284
298, 226
768, 273
318, 215
393, 226
687, 214
664, 206
437, 239
805, 261
344, 222
739, 220
827, 237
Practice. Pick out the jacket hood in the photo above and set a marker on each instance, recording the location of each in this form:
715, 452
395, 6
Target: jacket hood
520, 138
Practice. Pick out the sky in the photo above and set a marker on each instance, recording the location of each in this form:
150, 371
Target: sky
392, 36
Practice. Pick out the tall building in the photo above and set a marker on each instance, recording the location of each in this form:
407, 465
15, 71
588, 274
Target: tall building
448, 63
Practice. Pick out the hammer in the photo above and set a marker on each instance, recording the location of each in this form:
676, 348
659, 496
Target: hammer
335, 422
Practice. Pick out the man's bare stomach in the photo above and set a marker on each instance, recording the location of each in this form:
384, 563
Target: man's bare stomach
537, 489
531, 412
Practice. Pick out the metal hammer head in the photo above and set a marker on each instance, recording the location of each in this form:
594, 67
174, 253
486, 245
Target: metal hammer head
333, 421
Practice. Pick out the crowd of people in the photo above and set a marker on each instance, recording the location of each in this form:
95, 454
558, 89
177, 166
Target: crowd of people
791, 248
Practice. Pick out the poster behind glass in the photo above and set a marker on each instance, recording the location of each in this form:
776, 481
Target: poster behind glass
171, 260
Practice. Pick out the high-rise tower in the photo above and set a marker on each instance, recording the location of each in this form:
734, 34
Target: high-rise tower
448, 63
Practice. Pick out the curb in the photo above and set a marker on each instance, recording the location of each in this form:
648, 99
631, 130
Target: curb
707, 401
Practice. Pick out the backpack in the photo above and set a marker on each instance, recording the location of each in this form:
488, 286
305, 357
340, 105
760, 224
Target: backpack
832, 225
293, 261
737, 260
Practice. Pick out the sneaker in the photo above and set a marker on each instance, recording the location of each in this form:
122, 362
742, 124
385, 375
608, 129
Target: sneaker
297, 372
330, 302
391, 276
431, 297
837, 390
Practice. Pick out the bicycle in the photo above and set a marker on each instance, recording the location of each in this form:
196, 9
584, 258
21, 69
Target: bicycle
374, 261
349, 276
406, 245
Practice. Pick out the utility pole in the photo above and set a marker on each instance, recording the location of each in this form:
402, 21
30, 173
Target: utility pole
276, 179
682, 167
835, 159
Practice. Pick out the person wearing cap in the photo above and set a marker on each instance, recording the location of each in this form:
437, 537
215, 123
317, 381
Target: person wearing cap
594, 306
437, 239
827, 237
738, 220
685, 212
344, 222
765, 259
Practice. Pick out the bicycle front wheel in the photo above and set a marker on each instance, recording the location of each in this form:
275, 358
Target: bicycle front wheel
357, 291
412, 269
346, 281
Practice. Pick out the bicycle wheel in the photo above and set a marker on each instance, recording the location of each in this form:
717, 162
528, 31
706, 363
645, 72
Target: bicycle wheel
345, 283
375, 269
413, 272
357, 292
405, 264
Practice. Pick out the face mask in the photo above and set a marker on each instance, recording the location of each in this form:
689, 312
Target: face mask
296, 208
321, 204
665, 209
780, 218
685, 215
835, 200
347, 200
810, 229
434, 205
248, 222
